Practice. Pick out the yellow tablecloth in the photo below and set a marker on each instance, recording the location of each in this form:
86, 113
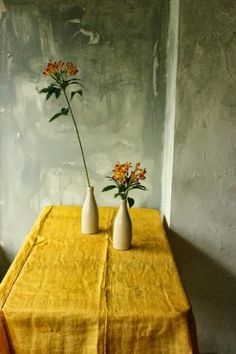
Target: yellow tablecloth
71, 293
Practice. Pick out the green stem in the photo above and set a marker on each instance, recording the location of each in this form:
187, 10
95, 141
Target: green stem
78, 137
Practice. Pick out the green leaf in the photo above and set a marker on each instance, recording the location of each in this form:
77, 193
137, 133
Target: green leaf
44, 90
63, 112
130, 202
54, 84
75, 79
74, 92
57, 92
75, 82
55, 116
139, 186
49, 94
113, 180
116, 195
108, 188
122, 188
51, 90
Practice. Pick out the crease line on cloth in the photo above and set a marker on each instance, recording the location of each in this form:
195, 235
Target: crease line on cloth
22, 257
109, 233
103, 298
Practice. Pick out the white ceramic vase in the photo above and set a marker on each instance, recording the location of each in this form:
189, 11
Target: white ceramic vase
89, 217
122, 229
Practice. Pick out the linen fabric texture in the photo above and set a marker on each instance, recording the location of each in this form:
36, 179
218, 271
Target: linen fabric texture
71, 293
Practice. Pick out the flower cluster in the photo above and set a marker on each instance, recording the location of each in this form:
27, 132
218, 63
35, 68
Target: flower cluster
122, 174
58, 67
126, 179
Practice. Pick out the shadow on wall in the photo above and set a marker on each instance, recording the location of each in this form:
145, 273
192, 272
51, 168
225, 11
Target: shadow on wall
212, 293
4, 264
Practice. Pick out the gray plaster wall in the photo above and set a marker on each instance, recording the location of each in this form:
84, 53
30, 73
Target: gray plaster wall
203, 203
169, 125
120, 49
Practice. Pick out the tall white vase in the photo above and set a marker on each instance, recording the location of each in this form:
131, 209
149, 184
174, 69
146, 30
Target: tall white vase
122, 230
89, 217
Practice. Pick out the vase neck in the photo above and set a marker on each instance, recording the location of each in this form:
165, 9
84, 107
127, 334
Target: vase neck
123, 203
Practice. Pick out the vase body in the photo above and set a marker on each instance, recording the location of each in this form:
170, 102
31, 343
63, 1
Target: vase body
122, 230
89, 217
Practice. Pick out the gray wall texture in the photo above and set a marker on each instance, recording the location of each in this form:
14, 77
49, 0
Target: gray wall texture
204, 185
120, 50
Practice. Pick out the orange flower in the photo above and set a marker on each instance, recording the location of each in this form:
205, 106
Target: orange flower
71, 69
59, 67
133, 177
122, 173
141, 174
126, 180
118, 172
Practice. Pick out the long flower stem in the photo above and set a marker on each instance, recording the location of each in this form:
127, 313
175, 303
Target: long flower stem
78, 137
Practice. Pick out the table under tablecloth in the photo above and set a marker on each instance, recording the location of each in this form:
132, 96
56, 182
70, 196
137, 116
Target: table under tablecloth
71, 293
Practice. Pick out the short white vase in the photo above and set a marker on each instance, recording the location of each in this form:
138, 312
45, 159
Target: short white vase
122, 229
89, 217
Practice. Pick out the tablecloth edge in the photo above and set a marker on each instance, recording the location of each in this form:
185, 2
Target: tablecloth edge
21, 257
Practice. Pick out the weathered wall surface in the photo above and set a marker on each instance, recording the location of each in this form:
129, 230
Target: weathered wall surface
169, 126
120, 50
204, 185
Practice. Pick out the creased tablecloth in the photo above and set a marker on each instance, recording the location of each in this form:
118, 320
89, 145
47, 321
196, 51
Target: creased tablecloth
71, 293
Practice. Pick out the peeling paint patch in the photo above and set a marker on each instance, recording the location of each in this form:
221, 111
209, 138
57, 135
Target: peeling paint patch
94, 38
75, 20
